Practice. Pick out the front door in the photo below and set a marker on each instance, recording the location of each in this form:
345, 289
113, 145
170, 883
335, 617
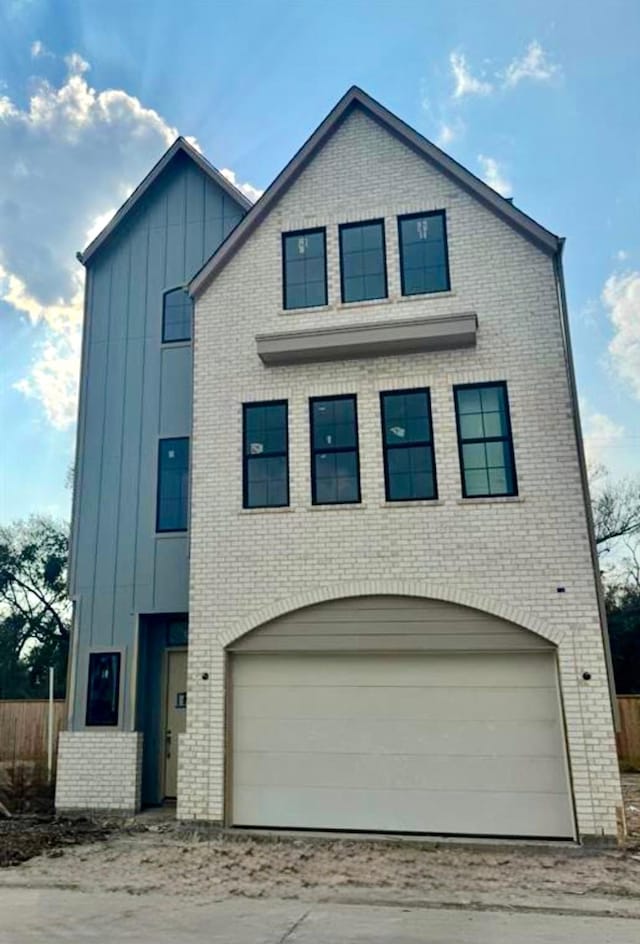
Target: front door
175, 716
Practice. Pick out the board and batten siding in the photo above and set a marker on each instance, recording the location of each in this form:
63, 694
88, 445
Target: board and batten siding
394, 624
134, 391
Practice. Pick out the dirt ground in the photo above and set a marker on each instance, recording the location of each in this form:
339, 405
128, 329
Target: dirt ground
152, 854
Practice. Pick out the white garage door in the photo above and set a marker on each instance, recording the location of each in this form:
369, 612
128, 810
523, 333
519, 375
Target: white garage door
451, 743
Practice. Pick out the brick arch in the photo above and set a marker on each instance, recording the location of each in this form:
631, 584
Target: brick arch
394, 588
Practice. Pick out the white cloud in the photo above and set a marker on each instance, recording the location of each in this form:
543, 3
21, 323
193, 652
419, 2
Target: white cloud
39, 50
67, 159
251, 192
622, 255
493, 174
465, 82
534, 65
601, 434
449, 132
621, 297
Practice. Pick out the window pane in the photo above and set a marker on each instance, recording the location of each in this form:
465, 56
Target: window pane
334, 444
103, 688
305, 270
173, 485
406, 418
423, 257
176, 316
266, 455
487, 464
363, 262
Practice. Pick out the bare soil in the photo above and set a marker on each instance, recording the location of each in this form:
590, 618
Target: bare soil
156, 854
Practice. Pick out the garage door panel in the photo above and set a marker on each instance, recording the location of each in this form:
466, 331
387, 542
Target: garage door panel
437, 812
411, 772
382, 736
467, 743
407, 703
391, 671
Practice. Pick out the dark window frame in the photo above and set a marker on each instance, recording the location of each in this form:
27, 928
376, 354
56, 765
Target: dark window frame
335, 449
417, 216
486, 439
165, 439
246, 459
90, 721
185, 340
341, 228
386, 447
283, 241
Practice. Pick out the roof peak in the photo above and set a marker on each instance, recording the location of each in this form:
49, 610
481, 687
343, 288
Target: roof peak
180, 144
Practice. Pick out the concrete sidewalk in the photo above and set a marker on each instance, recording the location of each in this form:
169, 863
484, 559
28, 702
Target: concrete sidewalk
46, 916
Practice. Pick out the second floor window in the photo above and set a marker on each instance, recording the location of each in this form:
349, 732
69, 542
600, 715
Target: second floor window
487, 462
304, 268
265, 451
176, 315
173, 485
362, 261
424, 263
335, 467
407, 441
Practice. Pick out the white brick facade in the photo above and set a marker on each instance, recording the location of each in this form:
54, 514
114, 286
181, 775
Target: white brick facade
99, 770
504, 556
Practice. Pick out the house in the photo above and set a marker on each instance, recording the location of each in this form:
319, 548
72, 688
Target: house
394, 615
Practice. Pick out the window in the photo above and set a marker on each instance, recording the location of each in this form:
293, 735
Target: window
173, 485
304, 268
176, 315
266, 459
407, 441
362, 261
335, 472
487, 463
103, 688
424, 263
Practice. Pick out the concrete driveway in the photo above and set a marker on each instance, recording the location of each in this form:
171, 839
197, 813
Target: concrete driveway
46, 916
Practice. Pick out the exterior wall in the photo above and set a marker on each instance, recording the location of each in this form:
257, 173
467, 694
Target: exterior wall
503, 556
99, 770
134, 391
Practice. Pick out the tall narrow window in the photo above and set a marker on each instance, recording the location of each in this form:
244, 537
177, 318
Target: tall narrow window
103, 687
363, 269
304, 267
266, 459
176, 315
407, 440
173, 485
487, 462
335, 469
424, 261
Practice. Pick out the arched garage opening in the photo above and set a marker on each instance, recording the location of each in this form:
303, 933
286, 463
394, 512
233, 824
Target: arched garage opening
389, 713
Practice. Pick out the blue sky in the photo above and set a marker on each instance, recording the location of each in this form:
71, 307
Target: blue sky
535, 96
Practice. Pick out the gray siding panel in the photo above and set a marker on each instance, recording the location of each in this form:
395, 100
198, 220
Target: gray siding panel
387, 624
135, 390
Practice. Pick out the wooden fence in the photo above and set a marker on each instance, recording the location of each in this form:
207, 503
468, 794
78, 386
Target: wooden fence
23, 729
629, 734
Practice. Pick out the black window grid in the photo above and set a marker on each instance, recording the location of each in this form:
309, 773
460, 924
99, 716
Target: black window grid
318, 230
341, 230
423, 443
185, 321
505, 439
334, 450
247, 458
181, 501
428, 214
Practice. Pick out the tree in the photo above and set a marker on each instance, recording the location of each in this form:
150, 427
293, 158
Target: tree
616, 506
35, 612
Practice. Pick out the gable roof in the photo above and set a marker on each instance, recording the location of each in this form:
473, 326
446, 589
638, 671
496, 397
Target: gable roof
180, 145
356, 98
